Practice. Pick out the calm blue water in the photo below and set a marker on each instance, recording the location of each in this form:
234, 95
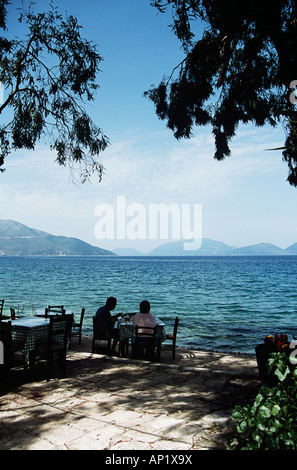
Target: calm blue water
224, 303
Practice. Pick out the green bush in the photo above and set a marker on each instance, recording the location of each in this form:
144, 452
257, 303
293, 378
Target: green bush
270, 423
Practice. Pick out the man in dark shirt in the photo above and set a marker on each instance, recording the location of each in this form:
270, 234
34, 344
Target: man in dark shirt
105, 322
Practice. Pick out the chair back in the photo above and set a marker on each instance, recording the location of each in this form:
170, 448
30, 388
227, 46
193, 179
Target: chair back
144, 342
59, 330
172, 337
96, 336
82, 317
176, 322
58, 309
77, 327
145, 332
95, 330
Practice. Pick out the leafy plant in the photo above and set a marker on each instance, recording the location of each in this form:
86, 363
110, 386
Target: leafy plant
278, 362
270, 422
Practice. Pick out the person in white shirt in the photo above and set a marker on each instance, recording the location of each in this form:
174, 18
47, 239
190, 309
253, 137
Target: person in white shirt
144, 318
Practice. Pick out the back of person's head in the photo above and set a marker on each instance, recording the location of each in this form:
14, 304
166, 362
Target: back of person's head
144, 306
111, 302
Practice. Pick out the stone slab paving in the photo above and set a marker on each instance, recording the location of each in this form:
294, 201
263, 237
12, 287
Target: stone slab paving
111, 403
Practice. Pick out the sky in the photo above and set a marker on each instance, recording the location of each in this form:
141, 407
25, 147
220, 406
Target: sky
244, 199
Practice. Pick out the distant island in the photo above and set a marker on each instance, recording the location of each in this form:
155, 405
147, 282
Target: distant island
212, 248
17, 239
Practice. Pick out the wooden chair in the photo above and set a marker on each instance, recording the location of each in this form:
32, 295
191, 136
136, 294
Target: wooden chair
172, 337
56, 345
59, 309
13, 315
144, 343
77, 327
102, 339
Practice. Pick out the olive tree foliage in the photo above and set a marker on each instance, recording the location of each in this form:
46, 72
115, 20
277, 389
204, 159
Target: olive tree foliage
242, 69
48, 75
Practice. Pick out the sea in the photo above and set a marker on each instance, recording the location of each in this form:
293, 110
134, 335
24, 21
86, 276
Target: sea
225, 304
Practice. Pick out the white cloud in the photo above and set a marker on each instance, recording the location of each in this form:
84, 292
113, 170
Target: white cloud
239, 190
186, 170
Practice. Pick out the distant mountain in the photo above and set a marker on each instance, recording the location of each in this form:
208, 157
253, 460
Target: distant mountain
216, 248
261, 249
17, 239
208, 248
292, 249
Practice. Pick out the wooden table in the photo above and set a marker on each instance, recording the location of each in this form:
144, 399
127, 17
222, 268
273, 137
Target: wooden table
29, 330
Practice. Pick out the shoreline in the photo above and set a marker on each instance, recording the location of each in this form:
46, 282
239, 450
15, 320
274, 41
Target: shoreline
183, 349
186, 358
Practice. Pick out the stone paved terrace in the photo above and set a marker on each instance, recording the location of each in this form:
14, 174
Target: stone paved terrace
111, 403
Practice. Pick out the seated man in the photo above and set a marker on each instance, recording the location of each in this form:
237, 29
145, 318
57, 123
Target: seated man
105, 322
